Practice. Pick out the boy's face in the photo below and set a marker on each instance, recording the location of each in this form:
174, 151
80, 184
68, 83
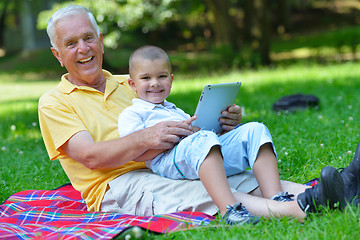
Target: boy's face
151, 80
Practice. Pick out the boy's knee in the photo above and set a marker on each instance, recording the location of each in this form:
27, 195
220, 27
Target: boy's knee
255, 131
255, 127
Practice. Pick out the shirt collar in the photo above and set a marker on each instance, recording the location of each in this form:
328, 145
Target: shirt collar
67, 87
151, 106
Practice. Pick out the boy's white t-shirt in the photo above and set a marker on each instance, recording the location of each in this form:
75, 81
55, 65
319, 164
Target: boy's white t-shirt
143, 114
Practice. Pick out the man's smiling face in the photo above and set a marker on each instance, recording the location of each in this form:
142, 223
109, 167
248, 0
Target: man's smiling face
80, 49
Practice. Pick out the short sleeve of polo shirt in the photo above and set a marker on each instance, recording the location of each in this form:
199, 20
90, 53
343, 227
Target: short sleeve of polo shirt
58, 123
69, 109
129, 122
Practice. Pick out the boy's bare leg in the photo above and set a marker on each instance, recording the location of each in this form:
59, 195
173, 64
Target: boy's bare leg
212, 175
266, 171
269, 208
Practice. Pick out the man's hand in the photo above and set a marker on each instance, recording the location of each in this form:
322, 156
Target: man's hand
163, 136
231, 118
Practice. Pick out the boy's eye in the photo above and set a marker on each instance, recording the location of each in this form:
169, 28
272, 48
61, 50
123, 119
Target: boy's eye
145, 78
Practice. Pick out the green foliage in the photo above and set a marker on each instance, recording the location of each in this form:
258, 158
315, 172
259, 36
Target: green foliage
188, 26
116, 17
35, 61
348, 37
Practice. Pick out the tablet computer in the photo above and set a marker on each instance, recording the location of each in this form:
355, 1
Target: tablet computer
213, 100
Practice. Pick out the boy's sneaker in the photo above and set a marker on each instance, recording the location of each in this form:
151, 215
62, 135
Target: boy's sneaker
237, 214
283, 197
329, 192
351, 178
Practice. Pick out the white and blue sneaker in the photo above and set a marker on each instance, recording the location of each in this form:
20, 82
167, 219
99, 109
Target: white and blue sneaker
237, 215
283, 197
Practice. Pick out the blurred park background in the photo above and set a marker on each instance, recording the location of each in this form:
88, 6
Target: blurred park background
275, 48
200, 35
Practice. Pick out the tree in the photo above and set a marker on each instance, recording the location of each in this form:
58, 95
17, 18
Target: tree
4, 6
224, 25
27, 25
261, 30
117, 18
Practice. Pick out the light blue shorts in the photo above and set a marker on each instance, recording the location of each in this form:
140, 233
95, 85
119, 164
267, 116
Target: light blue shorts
239, 148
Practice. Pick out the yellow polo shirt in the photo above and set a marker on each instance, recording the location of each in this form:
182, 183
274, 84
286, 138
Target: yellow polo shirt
69, 109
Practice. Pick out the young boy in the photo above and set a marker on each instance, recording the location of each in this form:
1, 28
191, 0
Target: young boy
203, 154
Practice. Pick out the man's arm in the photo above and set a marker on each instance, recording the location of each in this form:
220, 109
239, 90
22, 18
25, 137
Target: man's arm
114, 153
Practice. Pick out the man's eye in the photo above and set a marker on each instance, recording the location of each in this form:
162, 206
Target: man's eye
70, 44
88, 38
163, 76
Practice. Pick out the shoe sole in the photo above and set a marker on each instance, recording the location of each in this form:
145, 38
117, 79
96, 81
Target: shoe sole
351, 178
356, 200
333, 187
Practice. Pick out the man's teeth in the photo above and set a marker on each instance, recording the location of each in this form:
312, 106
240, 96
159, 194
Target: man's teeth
85, 60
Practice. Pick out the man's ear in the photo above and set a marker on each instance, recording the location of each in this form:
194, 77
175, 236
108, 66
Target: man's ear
172, 77
132, 84
102, 42
57, 55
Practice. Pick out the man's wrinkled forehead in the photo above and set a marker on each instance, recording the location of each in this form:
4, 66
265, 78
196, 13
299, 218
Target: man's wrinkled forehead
75, 25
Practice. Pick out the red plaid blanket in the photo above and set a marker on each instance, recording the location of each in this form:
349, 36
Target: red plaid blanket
62, 214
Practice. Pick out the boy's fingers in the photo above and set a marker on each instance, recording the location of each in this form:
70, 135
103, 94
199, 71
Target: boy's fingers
190, 120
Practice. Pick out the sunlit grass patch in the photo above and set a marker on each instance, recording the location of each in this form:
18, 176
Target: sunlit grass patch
305, 141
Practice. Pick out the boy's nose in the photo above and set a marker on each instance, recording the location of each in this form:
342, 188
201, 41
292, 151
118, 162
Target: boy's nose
154, 82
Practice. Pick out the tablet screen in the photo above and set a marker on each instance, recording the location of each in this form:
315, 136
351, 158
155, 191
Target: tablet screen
213, 100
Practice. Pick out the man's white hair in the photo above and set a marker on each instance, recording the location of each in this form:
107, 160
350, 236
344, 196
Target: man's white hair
64, 12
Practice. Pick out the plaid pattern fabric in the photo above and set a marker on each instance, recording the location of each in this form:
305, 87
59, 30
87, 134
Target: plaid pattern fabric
313, 182
62, 214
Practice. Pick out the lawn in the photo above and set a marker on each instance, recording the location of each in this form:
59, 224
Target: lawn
306, 141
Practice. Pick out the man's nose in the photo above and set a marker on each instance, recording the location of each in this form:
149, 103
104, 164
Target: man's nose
83, 46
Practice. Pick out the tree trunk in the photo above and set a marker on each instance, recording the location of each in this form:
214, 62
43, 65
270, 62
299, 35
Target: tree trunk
265, 40
248, 19
284, 14
27, 26
261, 30
224, 26
2, 23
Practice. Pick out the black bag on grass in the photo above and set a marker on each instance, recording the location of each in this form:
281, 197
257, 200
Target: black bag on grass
296, 102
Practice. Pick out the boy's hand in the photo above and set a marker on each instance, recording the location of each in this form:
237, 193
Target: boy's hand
189, 121
231, 117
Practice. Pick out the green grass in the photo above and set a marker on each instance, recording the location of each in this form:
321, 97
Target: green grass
23, 158
305, 141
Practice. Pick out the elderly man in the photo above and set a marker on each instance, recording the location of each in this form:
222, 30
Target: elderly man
78, 121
